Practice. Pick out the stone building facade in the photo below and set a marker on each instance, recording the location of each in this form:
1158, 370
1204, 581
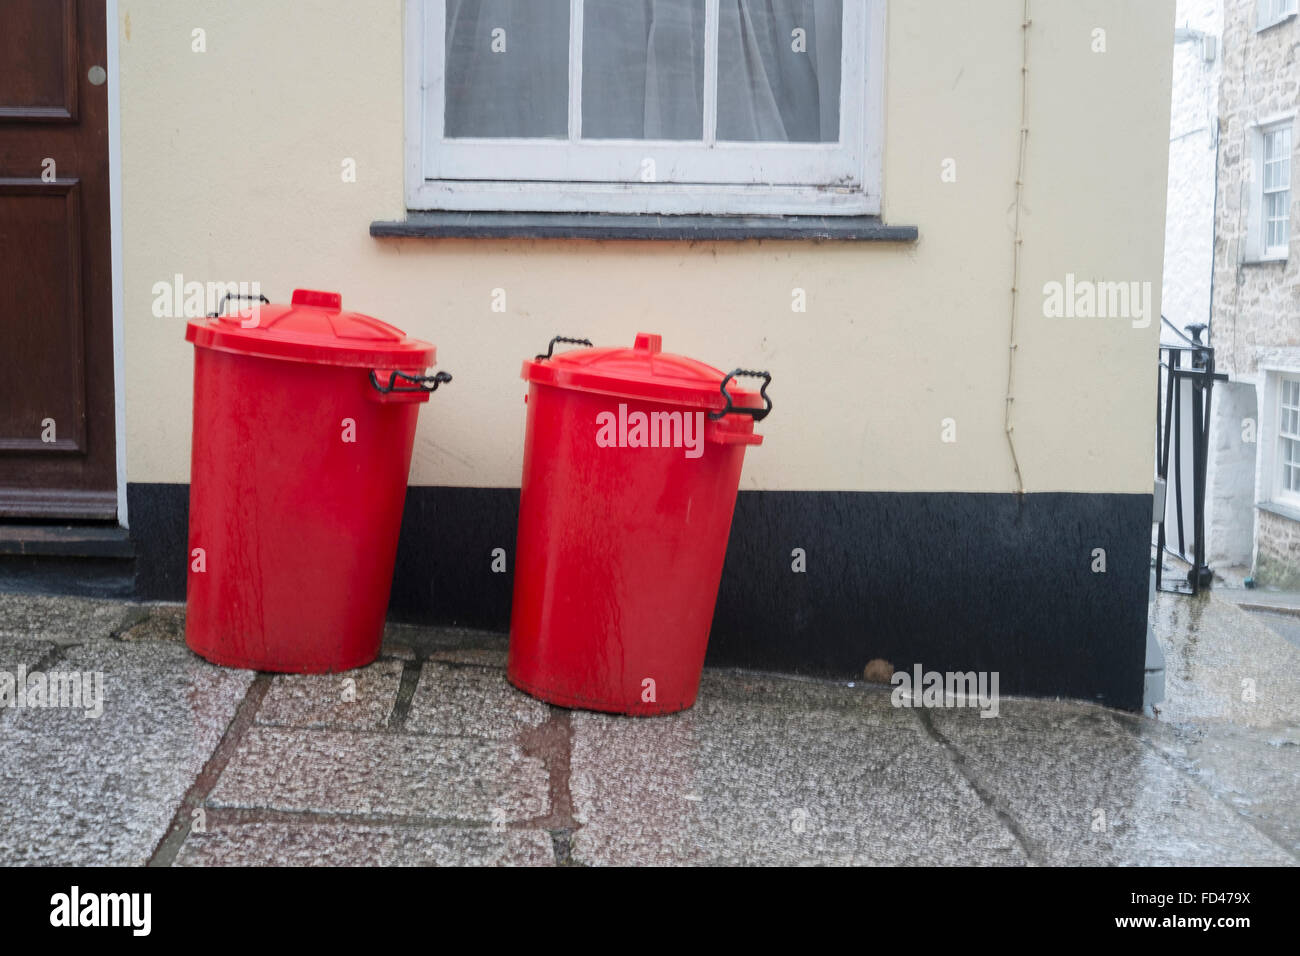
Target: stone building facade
1253, 500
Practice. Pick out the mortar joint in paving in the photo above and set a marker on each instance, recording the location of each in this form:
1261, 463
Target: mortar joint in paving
981, 788
196, 796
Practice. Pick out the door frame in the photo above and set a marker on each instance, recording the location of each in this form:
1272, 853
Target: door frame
117, 293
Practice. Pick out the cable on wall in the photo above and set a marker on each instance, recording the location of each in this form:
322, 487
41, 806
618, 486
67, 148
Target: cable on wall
1008, 421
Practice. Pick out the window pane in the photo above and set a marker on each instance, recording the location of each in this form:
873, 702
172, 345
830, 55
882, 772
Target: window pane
1277, 159
1276, 143
507, 71
1276, 219
643, 69
779, 70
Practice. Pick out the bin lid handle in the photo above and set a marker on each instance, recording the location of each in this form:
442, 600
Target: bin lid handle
221, 306
563, 338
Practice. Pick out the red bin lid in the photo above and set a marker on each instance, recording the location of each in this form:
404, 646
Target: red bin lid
641, 372
312, 328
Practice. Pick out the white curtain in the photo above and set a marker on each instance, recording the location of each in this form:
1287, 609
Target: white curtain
643, 69
768, 91
522, 90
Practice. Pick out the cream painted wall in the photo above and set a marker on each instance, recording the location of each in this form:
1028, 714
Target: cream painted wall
231, 165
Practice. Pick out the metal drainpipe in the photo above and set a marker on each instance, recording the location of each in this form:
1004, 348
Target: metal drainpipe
1214, 235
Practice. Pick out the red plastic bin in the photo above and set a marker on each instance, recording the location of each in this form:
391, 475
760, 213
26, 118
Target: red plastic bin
623, 523
304, 420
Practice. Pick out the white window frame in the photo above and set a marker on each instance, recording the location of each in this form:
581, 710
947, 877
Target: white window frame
574, 175
1279, 494
1275, 251
1272, 12
1254, 247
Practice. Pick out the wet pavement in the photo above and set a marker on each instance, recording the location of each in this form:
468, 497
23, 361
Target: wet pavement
428, 756
1276, 609
1285, 624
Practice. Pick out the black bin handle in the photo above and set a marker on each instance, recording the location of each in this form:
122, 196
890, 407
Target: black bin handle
758, 414
422, 383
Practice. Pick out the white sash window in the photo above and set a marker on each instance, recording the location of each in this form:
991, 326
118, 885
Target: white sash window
667, 106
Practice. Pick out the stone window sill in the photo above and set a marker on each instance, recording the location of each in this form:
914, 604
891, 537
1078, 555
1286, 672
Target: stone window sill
1260, 28
569, 225
1290, 512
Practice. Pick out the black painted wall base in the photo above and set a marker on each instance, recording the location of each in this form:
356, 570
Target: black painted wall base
954, 582
83, 560
79, 576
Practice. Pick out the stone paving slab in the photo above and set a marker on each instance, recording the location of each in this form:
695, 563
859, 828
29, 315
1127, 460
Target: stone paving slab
731, 783
357, 700
782, 699
1086, 790
480, 656
82, 791
1231, 718
442, 778
16, 652
1223, 664
411, 640
1255, 772
1285, 624
765, 769
318, 844
61, 620
155, 622
471, 702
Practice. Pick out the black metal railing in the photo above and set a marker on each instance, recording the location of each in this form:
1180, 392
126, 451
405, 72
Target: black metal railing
1185, 388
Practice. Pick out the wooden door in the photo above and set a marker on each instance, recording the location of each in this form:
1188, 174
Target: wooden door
57, 451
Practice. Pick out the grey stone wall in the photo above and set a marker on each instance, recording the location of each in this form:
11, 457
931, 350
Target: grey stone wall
1256, 305
1278, 562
